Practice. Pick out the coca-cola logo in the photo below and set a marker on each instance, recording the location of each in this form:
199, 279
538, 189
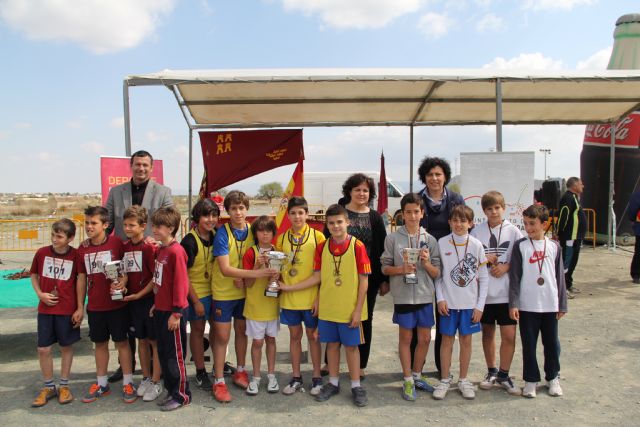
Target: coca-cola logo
627, 131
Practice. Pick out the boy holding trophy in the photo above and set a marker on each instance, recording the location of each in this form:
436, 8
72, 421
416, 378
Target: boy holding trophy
411, 259
102, 279
261, 306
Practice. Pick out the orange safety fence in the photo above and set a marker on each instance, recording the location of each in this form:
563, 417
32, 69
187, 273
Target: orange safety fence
32, 234
591, 226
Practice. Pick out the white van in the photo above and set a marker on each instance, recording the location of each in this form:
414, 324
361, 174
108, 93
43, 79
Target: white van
322, 189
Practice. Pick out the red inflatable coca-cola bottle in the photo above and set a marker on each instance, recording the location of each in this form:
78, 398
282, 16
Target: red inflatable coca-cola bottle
595, 157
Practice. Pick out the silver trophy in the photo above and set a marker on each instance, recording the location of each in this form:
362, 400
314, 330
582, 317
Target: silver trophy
113, 270
411, 256
276, 260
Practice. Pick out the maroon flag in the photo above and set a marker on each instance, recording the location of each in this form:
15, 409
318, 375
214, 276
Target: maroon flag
383, 201
230, 157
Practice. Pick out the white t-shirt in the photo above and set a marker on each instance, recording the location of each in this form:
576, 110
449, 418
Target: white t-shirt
463, 282
501, 245
527, 267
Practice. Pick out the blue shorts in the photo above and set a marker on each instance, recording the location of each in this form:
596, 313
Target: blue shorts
58, 328
206, 302
459, 320
421, 318
140, 320
340, 332
223, 311
296, 317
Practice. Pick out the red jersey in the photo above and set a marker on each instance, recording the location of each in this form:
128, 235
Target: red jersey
59, 272
99, 287
362, 259
170, 278
138, 262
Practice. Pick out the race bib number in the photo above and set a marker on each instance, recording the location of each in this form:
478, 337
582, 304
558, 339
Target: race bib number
56, 268
157, 274
132, 262
91, 261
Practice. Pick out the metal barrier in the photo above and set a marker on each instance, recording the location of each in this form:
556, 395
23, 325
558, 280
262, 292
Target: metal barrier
591, 226
32, 234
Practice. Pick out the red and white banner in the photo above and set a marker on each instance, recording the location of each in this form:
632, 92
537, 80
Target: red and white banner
117, 170
295, 188
627, 133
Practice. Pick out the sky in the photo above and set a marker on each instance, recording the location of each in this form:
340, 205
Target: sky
64, 62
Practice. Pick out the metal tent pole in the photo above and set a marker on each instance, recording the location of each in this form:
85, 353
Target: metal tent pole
127, 120
190, 168
411, 159
498, 115
611, 238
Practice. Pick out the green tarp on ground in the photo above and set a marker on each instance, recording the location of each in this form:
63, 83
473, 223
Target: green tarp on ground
16, 293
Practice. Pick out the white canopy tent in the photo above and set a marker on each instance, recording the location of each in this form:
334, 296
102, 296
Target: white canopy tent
229, 99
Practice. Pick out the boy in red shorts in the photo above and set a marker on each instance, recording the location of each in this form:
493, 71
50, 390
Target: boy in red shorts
54, 273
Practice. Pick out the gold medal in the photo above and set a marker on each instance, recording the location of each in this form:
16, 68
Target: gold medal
206, 274
462, 282
293, 272
540, 281
338, 281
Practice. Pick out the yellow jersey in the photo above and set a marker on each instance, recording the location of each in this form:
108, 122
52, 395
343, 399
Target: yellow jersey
257, 306
201, 272
222, 287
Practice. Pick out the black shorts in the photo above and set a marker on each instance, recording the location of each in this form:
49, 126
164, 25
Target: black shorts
114, 323
56, 328
141, 322
497, 313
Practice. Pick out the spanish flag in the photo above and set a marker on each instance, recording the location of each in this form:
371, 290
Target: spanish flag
294, 188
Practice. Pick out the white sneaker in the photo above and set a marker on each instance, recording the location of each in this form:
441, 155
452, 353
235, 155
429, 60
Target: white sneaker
529, 389
293, 386
254, 386
508, 385
554, 387
152, 393
273, 386
145, 384
316, 386
488, 381
440, 391
467, 389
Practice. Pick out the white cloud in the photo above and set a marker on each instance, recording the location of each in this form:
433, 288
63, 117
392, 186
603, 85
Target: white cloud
490, 22
74, 124
555, 4
153, 136
358, 14
45, 156
117, 122
529, 61
597, 61
435, 25
97, 25
23, 125
93, 147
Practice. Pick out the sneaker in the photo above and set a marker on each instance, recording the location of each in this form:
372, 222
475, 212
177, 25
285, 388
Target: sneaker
360, 396
554, 387
164, 400
327, 391
440, 391
129, 393
423, 384
254, 386
45, 395
467, 389
96, 392
294, 385
203, 381
172, 405
507, 384
153, 392
116, 376
529, 389
221, 393
570, 295
229, 369
64, 395
408, 391
241, 379
489, 380
575, 290
145, 384
316, 386
273, 386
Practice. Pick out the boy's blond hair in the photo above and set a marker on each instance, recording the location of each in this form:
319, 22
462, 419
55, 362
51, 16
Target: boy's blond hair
492, 198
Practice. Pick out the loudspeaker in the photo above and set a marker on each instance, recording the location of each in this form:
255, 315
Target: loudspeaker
551, 194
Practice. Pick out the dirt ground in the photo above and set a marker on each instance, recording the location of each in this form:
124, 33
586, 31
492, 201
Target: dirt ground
600, 340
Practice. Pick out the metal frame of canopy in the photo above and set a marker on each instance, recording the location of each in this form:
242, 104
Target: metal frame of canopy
427, 97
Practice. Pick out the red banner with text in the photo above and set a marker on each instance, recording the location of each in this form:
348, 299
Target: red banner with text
117, 170
230, 157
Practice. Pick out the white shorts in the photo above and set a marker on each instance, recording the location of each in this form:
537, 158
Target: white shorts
257, 329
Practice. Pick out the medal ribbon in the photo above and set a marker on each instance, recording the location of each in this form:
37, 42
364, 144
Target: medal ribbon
540, 262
